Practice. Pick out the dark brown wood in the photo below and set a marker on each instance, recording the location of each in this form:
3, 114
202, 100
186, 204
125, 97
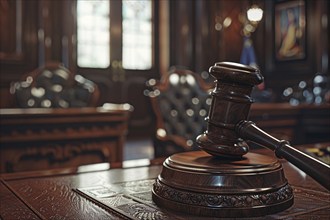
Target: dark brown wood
200, 184
201, 18
51, 194
301, 124
226, 184
34, 139
280, 120
232, 182
315, 168
18, 43
230, 104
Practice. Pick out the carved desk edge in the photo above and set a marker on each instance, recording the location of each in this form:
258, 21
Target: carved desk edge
61, 135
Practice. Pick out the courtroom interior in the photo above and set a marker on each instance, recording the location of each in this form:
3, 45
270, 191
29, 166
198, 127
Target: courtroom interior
164, 105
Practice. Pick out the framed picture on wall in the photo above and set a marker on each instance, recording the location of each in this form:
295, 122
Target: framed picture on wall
290, 30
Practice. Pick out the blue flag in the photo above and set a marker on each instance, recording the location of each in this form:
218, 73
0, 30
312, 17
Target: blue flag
248, 56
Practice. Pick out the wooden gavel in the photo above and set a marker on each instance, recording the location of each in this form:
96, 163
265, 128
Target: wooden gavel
227, 125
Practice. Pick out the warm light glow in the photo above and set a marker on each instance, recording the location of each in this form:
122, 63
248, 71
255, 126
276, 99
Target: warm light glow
227, 22
254, 14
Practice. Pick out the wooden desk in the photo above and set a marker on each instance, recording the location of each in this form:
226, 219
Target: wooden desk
52, 195
34, 139
301, 124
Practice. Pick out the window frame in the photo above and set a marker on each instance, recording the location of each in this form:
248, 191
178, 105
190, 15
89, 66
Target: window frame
117, 43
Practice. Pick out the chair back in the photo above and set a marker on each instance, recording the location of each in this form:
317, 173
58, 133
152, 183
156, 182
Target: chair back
54, 86
180, 101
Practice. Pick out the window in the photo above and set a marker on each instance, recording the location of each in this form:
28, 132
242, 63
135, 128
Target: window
94, 38
137, 31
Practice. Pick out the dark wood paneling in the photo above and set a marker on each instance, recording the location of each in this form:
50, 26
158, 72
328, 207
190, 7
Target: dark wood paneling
181, 34
31, 34
209, 45
193, 42
281, 74
18, 47
18, 51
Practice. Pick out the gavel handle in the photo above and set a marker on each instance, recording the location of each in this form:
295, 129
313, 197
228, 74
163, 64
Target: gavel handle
318, 170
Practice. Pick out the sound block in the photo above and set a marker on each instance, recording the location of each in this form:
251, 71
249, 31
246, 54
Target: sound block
197, 183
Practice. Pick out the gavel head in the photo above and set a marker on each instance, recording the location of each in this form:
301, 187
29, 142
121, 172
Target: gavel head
230, 104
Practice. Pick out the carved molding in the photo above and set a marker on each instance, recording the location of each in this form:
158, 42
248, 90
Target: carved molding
107, 151
30, 133
223, 200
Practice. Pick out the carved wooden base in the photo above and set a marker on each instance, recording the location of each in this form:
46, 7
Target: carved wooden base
199, 184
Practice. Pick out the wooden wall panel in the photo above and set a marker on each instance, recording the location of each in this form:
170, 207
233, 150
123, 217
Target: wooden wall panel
36, 31
32, 33
196, 44
282, 74
18, 47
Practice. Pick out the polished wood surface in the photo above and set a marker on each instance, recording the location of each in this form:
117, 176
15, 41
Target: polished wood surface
52, 194
40, 138
314, 168
231, 101
226, 137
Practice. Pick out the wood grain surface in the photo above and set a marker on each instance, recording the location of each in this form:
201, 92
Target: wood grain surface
53, 195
